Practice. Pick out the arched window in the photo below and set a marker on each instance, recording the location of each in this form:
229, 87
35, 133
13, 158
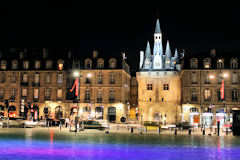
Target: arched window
14, 64
58, 112
60, 64
48, 64
37, 65
88, 63
207, 63
220, 63
100, 63
193, 63
112, 63
234, 63
3, 64
26, 65
76, 64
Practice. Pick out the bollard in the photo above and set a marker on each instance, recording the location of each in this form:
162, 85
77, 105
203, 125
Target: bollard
189, 132
226, 131
132, 130
159, 129
203, 133
60, 126
218, 128
175, 132
146, 129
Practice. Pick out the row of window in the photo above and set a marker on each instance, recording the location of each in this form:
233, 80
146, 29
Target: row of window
207, 63
24, 93
49, 64
207, 78
208, 95
37, 64
165, 86
47, 94
100, 63
36, 80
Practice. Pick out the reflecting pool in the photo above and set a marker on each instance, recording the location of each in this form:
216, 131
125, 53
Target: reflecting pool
30, 144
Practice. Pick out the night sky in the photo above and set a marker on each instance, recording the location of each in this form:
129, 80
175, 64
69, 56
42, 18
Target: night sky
116, 27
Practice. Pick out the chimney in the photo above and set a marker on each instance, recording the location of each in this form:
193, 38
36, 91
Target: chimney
95, 54
22, 54
45, 53
69, 55
213, 53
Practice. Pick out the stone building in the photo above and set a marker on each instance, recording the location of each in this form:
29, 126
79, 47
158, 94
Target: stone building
202, 78
37, 84
159, 82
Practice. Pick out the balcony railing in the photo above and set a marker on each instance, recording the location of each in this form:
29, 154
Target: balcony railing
111, 100
87, 100
99, 100
24, 84
35, 84
194, 99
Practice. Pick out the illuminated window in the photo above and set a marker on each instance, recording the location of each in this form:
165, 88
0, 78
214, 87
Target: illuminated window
99, 96
48, 78
112, 63
100, 79
149, 87
193, 63
49, 65
165, 86
25, 78
111, 95
36, 93
24, 92
207, 95
13, 78
207, 78
3, 64
234, 78
14, 64
60, 78
87, 95
2, 78
234, 95
47, 93
194, 78
25, 65
112, 78
100, 63
207, 63
88, 63
59, 94
194, 95
220, 64
234, 64
37, 65
36, 78
13, 94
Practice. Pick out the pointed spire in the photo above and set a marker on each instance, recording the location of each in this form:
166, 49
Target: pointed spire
148, 51
176, 53
168, 52
158, 29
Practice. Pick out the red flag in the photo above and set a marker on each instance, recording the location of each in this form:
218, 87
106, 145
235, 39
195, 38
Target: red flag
222, 90
76, 84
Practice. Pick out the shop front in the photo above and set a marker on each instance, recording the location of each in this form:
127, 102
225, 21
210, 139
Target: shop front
112, 114
194, 116
99, 113
87, 113
12, 111
221, 116
207, 117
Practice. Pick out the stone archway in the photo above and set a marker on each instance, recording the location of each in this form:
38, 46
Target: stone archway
112, 114
58, 112
99, 112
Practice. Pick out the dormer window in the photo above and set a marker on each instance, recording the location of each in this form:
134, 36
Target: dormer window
37, 65
220, 64
100, 63
49, 65
193, 63
25, 65
14, 64
3, 64
60, 64
88, 64
207, 63
112, 63
76, 64
234, 64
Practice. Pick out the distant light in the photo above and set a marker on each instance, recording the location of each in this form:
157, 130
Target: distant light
211, 77
89, 75
76, 74
225, 75
60, 66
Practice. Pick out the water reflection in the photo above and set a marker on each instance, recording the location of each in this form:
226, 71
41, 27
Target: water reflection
52, 144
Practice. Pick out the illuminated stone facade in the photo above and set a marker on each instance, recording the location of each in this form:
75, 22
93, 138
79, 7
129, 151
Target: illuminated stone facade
37, 86
202, 78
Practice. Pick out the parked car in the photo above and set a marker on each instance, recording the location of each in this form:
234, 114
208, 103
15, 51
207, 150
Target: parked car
184, 125
92, 125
